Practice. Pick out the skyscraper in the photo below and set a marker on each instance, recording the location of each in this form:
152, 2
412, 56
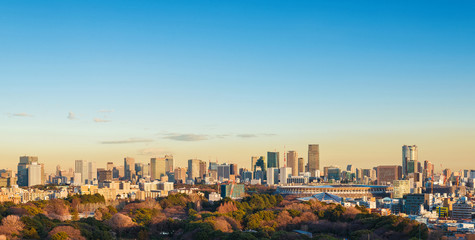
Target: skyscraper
169, 163
224, 171
253, 163
25, 162
193, 169
157, 168
81, 167
292, 162
273, 160
34, 174
301, 167
91, 171
409, 153
129, 168
313, 158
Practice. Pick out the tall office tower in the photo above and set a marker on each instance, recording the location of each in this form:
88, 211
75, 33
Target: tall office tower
23, 165
350, 168
419, 167
428, 169
129, 168
387, 174
273, 160
313, 158
81, 167
203, 169
34, 174
213, 166
292, 162
224, 171
139, 169
447, 174
260, 164
301, 165
234, 169
91, 171
253, 163
284, 174
157, 168
272, 176
180, 175
146, 170
169, 163
110, 166
193, 169
409, 153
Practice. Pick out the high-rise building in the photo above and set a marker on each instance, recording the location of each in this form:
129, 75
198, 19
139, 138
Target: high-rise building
272, 176
110, 166
213, 166
91, 171
34, 174
301, 165
104, 175
169, 163
25, 162
180, 175
157, 168
428, 169
234, 169
273, 160
193, 169
292, 162
409, 153
313, 158
129, 168
260, 164
81, 167
401, 188
388, 174
253, 163
284, 174
203, 168
224, 171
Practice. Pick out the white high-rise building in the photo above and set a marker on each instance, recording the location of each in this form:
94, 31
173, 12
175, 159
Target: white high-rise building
284, 174
34, 174
91, 172
409, 153
272, 176
81, 167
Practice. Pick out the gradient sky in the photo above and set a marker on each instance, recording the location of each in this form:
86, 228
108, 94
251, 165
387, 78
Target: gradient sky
226, 80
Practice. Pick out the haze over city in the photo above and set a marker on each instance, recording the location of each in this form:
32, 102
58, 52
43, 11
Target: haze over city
229, 80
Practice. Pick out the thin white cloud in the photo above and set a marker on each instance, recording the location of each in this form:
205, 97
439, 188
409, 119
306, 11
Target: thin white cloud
100, 120
246, 135
71, 116
153, 151
187, 137
105, 111
22, 115
126, 141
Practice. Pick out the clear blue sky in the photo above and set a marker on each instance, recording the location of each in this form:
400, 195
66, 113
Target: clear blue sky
232, 79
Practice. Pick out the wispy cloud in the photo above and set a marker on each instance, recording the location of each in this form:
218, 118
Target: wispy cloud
246, 135
255, 135
100, 120
105, 111
71, 116
152, 151
21, 115
126, 141
187, 137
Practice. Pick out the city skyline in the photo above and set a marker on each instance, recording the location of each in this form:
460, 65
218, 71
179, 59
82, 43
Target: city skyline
230, 80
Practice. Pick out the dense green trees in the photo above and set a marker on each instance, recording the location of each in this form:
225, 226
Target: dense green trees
258, 216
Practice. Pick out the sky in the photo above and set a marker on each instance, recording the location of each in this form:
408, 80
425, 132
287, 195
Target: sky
227, 80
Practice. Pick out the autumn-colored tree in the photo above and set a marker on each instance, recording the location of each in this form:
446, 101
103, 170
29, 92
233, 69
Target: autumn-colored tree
227, 207
71, 232
11, 225
120, 221
57, 209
